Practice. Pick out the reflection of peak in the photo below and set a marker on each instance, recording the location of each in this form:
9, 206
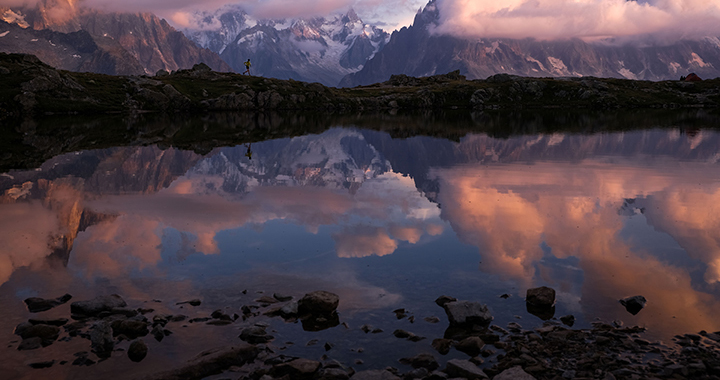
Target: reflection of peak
62, 245
338, 158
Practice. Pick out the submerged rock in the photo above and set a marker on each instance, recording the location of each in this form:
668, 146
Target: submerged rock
37, 304
255, 335
375, 374
46, 333
192, 302
425, 360
634, 304
211, 362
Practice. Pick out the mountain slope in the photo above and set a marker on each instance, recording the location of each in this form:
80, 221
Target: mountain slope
417, 51
313, 50
150, 41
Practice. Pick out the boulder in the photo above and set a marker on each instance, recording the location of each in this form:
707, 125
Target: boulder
464, 368
633, 304
467, 313
137, 350
211, 362
318, 302
47, 334
442, 300
541, 297
514, 373
97, 305
296, 369
129, 327
255, 335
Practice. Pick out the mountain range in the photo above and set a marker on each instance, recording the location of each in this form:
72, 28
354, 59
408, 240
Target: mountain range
417, 51
320, 49
68, 36
336, 50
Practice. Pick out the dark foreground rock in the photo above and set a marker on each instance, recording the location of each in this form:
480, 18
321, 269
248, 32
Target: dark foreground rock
464, 313
137, 350
37, 88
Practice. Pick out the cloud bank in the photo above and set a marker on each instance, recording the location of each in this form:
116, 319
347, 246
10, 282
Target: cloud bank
585, 19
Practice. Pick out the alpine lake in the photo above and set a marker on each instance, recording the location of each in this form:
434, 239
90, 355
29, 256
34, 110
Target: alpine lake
207, 226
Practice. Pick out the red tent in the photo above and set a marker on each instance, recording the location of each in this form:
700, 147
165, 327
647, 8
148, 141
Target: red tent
692, 77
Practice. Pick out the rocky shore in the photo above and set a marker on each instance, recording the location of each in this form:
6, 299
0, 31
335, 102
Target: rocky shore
32, 88
553, 350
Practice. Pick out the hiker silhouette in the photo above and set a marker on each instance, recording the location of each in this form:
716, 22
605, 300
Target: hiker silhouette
247, 67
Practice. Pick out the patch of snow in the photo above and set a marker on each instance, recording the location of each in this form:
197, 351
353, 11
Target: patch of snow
555, 138
713, 40
51, 43
76, 56
557, 64
533, 60
627, 74
493, 46
698, 61
674, 66
3, 34
34, 40
11, 17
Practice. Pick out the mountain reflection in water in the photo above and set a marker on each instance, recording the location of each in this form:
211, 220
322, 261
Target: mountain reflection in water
597, 217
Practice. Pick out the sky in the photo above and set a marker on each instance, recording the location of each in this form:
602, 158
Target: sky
541, 19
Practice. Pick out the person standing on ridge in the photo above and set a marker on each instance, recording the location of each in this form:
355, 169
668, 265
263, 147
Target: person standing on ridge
247, 66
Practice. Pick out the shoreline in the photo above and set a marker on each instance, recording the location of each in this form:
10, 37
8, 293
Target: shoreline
553, 350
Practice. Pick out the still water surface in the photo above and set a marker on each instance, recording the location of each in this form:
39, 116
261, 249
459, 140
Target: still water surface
384, 223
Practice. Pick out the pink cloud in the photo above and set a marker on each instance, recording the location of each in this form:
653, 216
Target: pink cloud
586, 19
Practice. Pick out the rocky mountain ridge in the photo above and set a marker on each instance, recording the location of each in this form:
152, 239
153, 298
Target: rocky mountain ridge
320, 49
125, 43
417, 51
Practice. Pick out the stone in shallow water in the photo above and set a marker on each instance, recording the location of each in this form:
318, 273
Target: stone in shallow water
542, 296
101, 339
634, 304
319, 302
376, 374
426, 361
466, 313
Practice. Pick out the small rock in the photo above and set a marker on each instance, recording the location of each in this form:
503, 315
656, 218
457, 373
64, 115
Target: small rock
426, 361
467, 313
542, 296
157, 333
192, 302
319, 302
634, 304
30, 344
432, 319
505, 296
470, 345
442, 345
282, 297
39, 365
464, 368
568, 320
298, 368
442, 300
48, 334
375, 374
399, 333
131, 328
137, 350
255, 335
51, 322
514, 373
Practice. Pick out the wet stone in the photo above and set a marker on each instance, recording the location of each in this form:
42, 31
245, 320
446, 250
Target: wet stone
101, 339
442, 345
51, 322
130, 328
318, 302
376, 374
30, 344
467, 313
281, 297
442, 300
432, 319
47, 334
255, 335
470, 345
568, 320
